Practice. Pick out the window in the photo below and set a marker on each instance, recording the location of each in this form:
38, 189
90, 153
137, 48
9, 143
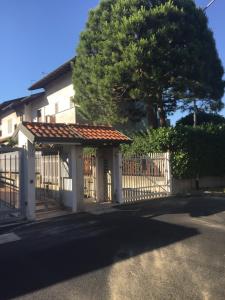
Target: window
50, 119
39, 115
10, 126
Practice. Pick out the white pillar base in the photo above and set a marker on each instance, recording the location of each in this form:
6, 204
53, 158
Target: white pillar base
28, 177
117, 176
76, 164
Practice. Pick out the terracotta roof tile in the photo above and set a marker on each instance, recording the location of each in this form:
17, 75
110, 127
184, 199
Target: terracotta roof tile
75, 132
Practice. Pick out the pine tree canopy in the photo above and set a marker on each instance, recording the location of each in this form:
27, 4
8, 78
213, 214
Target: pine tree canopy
140, 58
202, 118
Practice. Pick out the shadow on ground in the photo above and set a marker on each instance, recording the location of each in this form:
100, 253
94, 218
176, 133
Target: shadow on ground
198, 206
69, 247
66, 247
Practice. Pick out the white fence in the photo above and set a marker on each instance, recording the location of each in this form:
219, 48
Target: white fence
10, 177
48, 177
145, 177
89, 169
90, 178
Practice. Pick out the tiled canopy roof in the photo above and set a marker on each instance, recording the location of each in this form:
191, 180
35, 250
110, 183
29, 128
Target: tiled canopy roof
98, 132
85, 134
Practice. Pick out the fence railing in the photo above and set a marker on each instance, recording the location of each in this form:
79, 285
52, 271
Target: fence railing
10, 200
89, 169
145, 176
48, 178
90, 180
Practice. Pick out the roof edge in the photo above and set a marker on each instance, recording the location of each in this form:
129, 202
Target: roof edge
78, 137
64, 68
25, 131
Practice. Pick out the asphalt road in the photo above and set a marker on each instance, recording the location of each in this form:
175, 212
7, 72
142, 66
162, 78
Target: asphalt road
163, 249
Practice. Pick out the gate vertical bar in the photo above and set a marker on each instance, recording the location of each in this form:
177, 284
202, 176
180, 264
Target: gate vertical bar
59, 176
169, 182
21, 194
5, 181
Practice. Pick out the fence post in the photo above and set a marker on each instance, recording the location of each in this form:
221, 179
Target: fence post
100, 176
76, 165
169, 173
117, 176
120, 179
28, 174
21, 183
59, 174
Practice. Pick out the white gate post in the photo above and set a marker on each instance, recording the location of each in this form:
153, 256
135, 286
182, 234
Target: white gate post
100, 176
169, 173
28, 176
77, 174
117, 176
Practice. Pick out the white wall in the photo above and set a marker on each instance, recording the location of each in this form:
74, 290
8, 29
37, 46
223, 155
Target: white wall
66, 116
15, 120
59, 92
180, 186
38, 103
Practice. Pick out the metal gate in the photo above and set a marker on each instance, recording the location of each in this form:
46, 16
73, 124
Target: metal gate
89, 165
89, 169
145, 176
48, 180
10, 181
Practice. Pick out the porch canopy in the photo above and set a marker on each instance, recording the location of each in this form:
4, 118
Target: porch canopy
71, 138
61, 133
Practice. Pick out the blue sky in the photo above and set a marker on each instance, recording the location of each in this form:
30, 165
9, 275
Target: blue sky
39, 35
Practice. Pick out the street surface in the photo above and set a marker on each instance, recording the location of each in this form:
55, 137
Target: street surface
162, 249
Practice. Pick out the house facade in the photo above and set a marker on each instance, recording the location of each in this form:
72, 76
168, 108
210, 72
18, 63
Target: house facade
10, 116
51, 101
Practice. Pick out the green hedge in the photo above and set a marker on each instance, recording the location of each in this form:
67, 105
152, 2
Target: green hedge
194, 151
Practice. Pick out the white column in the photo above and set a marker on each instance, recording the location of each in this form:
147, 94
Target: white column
28, 176
76, 165
169, 174
100, 176
117, 175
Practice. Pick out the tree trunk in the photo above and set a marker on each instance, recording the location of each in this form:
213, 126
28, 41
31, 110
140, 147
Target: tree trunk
151, 115
161, 111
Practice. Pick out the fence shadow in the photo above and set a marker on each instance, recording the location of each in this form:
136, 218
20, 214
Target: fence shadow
196, 206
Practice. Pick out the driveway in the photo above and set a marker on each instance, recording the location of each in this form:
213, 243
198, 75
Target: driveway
164, 249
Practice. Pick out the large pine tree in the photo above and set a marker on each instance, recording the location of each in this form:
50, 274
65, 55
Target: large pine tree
140, 57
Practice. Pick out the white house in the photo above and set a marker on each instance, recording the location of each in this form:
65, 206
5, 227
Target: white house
50, 144
52, 105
